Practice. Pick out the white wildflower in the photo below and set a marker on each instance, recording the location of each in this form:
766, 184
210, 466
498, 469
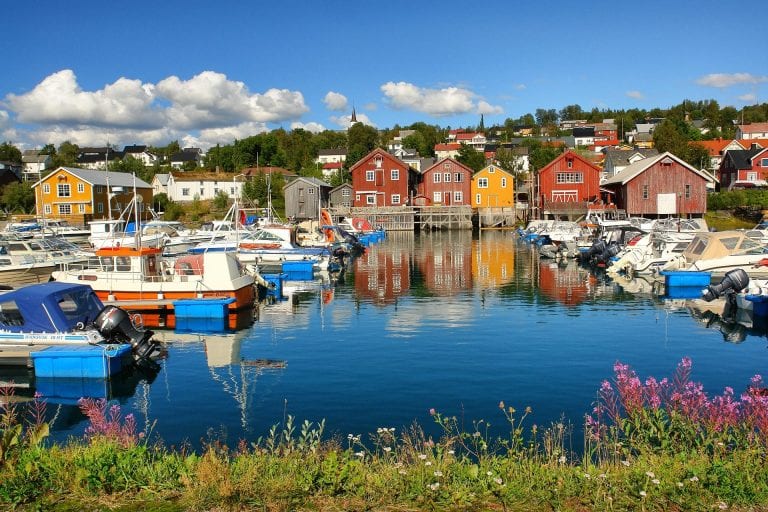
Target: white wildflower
656, 481
422, 456
650, 474
643, 494
435, 486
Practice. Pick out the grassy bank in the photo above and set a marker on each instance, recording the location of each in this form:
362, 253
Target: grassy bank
652, 445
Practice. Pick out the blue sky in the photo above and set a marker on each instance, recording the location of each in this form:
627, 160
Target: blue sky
204, 72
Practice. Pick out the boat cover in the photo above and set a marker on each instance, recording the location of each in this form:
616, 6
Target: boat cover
48, 307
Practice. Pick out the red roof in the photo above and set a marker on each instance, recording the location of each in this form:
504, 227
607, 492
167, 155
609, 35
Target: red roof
754, 127
332, 165
454, 146
466, 136
714, 147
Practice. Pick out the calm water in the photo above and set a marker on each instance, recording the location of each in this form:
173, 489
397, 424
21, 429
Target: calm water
439, 321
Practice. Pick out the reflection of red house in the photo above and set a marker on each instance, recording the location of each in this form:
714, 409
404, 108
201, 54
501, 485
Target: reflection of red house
569, 178
383, 275
446, 267
567, 285
446, 183
380, 179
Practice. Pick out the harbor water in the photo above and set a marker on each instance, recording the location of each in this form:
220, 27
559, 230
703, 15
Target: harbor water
449, 321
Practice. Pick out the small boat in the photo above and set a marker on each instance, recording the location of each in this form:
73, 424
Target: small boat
722, 251
143, 280
55, 314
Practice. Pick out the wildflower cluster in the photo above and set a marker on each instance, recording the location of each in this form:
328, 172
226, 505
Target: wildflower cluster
660, 414
107, 422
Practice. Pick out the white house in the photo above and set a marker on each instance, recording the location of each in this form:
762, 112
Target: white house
140, 153
34, 164
752, 131
186, 186
331, 156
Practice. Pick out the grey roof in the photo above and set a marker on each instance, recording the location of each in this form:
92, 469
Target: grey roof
134, 149
185, 156
584, 131
643, 137
741, 157
620, 157
632, 171
335, 151
312, 181
33, 157
162, 178
116, 179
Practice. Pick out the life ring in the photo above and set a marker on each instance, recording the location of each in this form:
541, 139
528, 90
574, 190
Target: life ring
361, 224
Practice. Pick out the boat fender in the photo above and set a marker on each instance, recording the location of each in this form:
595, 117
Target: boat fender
762, 263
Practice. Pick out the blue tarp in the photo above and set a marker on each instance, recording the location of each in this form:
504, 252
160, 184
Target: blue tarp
48, 307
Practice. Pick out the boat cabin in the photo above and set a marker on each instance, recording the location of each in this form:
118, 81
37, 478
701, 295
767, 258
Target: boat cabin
48, 307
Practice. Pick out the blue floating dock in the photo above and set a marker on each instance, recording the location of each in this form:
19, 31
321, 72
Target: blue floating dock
276, 284
759, 304
686, 278
201, 325
202, 308
683, 292
86, 361
301, 270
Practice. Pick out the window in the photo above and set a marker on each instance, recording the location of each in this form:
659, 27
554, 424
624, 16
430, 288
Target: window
569, 177
100, 207
458, 197
65, 209
345, 192
764, 162
231, 191
458, 177
395, 174
477, 198
81, 208
185, 191
80, 188
437, 197
46, 188
202, 191
645, 191
99, 189
357, 197
370, 199
47, 209
311, 191
491, 170
437, 177
370, 175
395, 198
570, 164
687, 191
503, 182
482, 183
377, 162
447, 177
63, 190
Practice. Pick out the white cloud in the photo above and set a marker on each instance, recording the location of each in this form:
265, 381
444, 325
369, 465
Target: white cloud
130, 111
726, 80
310, 127
59, 99
483, 107
637, 95
335, 101
748, 98
345, 121
209, 137
520, 87
435, 102
371, 107
210, 99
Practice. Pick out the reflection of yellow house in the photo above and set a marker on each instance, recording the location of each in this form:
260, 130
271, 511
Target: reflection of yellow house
492, 186
493, 261
79, 195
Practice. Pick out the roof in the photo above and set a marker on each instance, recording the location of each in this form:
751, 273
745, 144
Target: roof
254, 171
741, 158
332, 165
633, 170
332, 151
753, 127
584, 131
714, 147
111, 178
203, 176
185, 156
312, 181
454, 146
134, 149
440, 162
162, 178
622, 156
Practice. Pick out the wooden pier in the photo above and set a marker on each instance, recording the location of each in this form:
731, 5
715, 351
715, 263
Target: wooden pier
412, 218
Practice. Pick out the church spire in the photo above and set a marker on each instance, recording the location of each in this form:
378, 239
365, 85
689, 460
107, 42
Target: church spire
354, 116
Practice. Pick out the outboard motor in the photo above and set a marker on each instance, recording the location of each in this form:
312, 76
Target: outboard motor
611, 250
598, 246
733, 282
115, 325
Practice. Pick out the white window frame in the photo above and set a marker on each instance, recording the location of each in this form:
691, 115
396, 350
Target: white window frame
503, 182
482, 182
65, 209
395, 199
478, 198
394, 175
63, 190
458, 196
81, 208
185, 192
80, 188
458, 177
447, 177
370, 175
437, 178
47, 209
46, 188
100, 207
370, 199
437, 197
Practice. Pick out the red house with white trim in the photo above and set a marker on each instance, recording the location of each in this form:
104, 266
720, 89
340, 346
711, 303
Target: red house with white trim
447, 183
380, 179
568, 182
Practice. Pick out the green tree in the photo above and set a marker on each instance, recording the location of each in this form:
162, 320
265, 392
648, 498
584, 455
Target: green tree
362, 140
416, 141
470, 157
221, 200
220, 157
66, 156
18, 197
670, 136
10, 153
572, 112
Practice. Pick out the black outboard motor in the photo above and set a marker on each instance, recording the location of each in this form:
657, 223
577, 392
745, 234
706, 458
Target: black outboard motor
598, 246
733, 282
115, 325
611, 250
